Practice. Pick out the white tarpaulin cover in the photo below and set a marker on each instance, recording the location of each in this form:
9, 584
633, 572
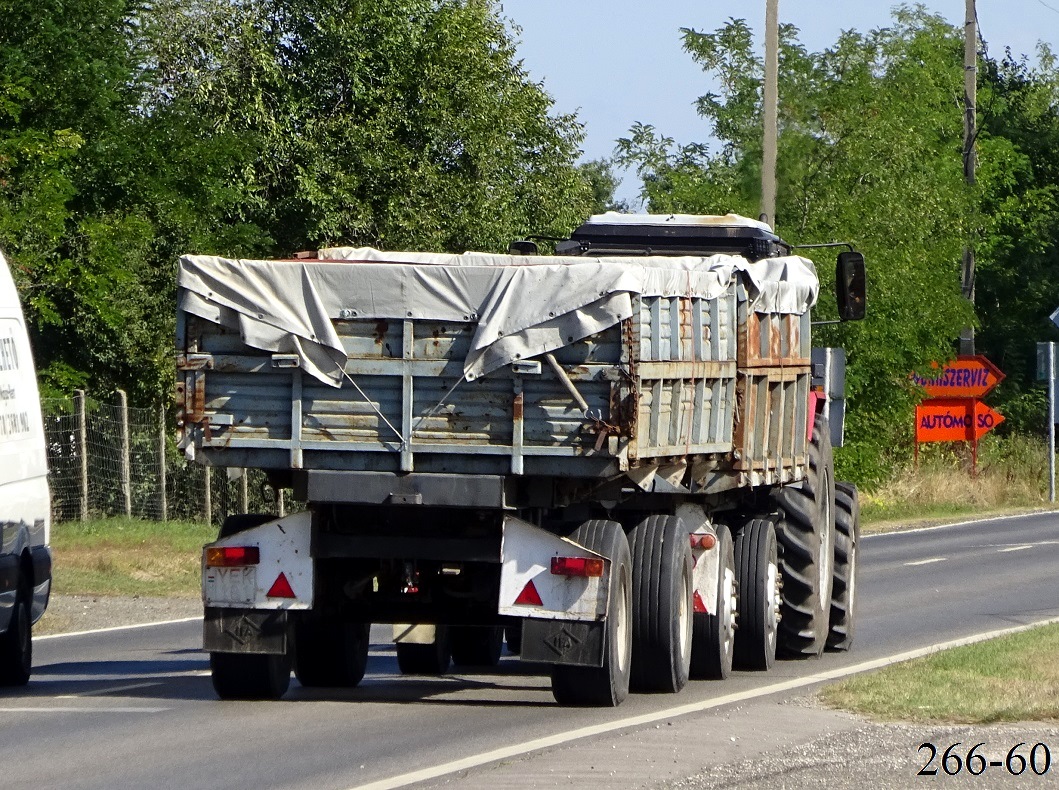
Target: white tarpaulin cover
524, 306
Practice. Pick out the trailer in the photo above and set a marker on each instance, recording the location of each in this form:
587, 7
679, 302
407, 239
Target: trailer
617, 455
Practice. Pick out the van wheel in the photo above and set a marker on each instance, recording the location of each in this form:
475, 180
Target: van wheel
250, 675
16, 644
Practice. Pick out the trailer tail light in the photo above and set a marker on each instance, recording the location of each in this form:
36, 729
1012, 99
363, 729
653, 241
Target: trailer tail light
577, 566
705, 541
230, 556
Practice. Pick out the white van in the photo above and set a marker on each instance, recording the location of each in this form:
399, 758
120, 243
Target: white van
25, 504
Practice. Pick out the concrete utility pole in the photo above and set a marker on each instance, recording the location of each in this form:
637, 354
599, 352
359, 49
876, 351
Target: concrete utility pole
970, 120
770, 100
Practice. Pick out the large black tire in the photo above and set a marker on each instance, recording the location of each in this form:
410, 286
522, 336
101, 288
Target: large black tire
16, 643
477, 645
847, 541
330, 652
806, 534
241, 522
713, 635
250, 675
662, 608
513, 637
757, 571
608, 685
433, 659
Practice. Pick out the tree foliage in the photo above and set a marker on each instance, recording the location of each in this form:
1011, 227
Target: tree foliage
133, 132
870, 152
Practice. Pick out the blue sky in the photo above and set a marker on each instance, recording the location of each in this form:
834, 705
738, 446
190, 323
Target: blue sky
616, 62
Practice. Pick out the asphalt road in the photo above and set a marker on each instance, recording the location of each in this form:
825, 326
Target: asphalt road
134, 708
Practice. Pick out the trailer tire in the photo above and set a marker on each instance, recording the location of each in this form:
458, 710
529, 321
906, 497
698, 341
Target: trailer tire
608, 685
329, 652
433, 659
806, 535
260, 676
847, 541
713, 637
513, 637
662, 589
757, 573
16, 644
477, 645
240, 522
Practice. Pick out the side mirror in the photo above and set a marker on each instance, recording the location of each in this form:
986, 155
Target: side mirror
522, 248
850, 286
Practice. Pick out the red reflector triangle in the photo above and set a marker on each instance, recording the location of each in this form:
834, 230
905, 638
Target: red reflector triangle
697, 603
529, 596
280, 588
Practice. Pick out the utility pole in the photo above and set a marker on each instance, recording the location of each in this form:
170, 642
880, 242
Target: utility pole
770, 100
970, 120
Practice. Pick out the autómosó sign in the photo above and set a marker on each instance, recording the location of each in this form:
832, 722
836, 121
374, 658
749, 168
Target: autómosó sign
954, 420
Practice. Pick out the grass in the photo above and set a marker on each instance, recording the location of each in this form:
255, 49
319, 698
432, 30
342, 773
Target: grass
124, 556
1008, 679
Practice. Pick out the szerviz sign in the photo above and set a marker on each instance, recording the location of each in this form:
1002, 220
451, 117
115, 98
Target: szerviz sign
963, 377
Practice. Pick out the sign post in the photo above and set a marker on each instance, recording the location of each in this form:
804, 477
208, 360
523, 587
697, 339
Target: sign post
1046, 370
953, 410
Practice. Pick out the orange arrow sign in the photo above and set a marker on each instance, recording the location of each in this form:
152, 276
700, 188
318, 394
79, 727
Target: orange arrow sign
954, 420
964, 377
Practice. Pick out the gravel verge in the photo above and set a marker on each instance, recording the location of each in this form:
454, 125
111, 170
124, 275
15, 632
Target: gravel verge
67, 613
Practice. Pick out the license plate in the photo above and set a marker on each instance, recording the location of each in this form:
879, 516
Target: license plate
231, 585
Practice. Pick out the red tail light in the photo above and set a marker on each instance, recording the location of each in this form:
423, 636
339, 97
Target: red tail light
577, 566
228, 556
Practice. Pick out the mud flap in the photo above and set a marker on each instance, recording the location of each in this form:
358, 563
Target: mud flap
244, 631
563, 642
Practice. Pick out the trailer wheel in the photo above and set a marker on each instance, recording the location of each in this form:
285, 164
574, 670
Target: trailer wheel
432, 659
757, 571
713, 639
513, 637
250, 675
330, 652
662, 608
847, 540
806, 535
477, 645
240, 522
16, 644
608, 685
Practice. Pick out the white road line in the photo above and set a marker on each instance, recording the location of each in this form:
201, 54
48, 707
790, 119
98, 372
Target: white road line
1015, 548
895, 532
930, 561
116, 628
71, 709
516, 750
109, 690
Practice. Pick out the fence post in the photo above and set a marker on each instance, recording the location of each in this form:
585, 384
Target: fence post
281, 503
244, 493
208, 497
126, 466
82, 448
161, 463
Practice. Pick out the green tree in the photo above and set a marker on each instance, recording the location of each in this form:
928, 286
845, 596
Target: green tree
870, 142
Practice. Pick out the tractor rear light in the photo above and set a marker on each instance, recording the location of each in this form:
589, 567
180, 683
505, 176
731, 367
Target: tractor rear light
230, 556
577, 566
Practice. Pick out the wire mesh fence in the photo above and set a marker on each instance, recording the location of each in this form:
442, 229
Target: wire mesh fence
106, 458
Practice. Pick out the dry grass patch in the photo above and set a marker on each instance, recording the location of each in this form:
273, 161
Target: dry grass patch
1012, 678
128, 557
